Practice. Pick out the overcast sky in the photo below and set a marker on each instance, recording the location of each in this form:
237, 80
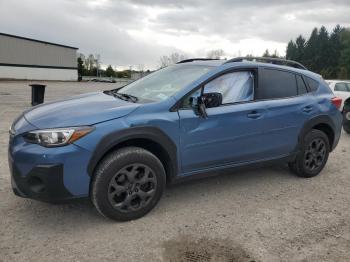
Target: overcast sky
140, 31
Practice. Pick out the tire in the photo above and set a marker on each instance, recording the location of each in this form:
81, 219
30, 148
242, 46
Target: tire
127, 184
313, 156
346, 120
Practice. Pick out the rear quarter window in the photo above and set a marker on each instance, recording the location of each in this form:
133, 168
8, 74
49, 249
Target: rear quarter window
301, 85
313, 84
276, 84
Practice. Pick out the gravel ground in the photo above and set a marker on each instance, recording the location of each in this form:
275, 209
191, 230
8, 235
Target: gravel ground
256, 215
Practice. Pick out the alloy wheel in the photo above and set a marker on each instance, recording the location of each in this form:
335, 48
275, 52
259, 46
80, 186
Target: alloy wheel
132, 187
315, 154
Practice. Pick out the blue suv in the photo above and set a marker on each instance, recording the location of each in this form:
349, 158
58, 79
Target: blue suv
121, 147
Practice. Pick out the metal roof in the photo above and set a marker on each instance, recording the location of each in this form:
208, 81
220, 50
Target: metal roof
38, 41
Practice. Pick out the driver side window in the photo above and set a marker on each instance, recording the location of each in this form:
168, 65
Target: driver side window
234, 87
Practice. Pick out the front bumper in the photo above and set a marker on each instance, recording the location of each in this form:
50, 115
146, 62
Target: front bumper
43, 183
48, 174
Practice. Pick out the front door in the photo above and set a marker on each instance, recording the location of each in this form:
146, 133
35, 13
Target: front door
232, 133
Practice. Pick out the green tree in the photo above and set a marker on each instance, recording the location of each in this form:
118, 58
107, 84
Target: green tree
311, 51
344, 60
323, 53
300, 48
292, 51
266, 53
81, 67
335, 51
110, 72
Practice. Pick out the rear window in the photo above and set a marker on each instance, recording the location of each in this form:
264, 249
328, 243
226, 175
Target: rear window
277, 84
313, 84
342, 87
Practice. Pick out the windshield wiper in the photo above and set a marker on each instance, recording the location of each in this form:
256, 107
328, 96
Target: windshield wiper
125, 97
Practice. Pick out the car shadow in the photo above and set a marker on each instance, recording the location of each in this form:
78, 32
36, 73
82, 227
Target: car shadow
80, 214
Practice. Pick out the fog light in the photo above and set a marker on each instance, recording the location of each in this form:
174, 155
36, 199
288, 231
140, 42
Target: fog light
36, 184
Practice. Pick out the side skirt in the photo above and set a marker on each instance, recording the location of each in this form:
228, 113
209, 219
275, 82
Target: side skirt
214, 171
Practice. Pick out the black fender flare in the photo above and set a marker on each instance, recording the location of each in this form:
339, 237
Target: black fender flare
321, 119
153, 134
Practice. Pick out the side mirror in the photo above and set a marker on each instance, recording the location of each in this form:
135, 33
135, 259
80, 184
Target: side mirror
195, 102
198, 106
212, 99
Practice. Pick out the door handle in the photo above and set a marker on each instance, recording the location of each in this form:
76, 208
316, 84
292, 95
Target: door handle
307, 109
254, 115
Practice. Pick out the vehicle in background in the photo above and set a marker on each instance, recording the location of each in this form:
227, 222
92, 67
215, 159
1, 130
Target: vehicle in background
341, 88
103, 80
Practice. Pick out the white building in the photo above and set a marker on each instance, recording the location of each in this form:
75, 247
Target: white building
31, 59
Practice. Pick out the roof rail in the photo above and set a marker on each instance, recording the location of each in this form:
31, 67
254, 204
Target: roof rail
276, 61
196, 59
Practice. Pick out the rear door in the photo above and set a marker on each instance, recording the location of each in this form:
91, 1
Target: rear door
290, 105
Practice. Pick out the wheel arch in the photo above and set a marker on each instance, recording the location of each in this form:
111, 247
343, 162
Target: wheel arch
149, 138
323, 123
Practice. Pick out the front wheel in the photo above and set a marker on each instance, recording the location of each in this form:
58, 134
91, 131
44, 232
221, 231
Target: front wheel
127, 184
313, 155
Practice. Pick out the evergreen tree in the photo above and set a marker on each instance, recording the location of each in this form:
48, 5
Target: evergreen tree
311, 54
335, 51
344, 60
110, 72
300, 48
291, 52
323, 53
81, 67
266, 53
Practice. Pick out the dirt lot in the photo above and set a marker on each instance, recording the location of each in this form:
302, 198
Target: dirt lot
257, 215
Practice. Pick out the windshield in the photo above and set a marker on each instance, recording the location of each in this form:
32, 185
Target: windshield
165, 82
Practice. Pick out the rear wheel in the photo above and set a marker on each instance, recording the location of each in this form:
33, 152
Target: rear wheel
127, 184
313, 156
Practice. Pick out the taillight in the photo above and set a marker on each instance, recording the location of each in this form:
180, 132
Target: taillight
337, 102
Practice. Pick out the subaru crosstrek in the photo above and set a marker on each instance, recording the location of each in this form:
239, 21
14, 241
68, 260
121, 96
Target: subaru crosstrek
121, 147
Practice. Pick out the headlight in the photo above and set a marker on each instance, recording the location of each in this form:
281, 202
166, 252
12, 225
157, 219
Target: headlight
57, 137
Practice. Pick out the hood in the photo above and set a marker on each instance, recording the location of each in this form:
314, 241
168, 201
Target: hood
86, 109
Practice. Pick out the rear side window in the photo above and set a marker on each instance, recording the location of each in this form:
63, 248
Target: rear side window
277, 84
313, 85
301, 85
343, 87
